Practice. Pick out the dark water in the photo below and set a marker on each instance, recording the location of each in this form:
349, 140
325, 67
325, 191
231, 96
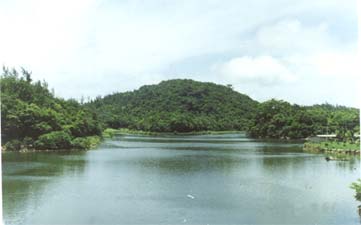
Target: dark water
222, 179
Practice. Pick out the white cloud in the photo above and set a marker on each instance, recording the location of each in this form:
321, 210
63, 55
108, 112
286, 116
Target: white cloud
43, 33
307, 53
91, 47
263, 70
290, 36
336, 64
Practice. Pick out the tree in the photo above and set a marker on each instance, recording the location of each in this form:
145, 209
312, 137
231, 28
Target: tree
31, 114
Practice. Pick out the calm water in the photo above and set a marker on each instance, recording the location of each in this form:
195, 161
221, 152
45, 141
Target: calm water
221, 179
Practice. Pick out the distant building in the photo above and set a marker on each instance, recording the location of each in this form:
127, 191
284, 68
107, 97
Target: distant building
326, 136
321, 137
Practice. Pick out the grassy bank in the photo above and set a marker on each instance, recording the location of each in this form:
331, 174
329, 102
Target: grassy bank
109, 132
332, 147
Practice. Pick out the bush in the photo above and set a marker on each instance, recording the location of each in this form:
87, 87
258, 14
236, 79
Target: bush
13, 145
28, 142
109, 133
54, 140
357, 187
85, 142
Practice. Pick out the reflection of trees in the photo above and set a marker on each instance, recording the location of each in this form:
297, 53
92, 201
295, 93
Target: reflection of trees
282, 157
292, 157
282, 163
188, 163
349, 163
27, 175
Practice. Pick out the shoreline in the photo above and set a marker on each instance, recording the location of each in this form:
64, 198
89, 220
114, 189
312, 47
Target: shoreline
320, 148
25, 150
109, 132
93, 142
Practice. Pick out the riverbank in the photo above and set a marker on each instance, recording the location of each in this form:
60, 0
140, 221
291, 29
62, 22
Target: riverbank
78, 144
332, 147
109, 132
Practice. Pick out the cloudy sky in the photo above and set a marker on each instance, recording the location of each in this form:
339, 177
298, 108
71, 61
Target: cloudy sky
304, 51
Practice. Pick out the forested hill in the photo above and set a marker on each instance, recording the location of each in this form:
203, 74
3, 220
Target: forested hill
187, 105
32, 118
180, 105
280, 119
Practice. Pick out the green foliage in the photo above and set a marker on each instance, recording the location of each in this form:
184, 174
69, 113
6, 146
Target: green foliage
189, 106
54, 140
357, 187
333, 146
279, 119
176, 106
30, 113
85, 142
340, 120
109, 133
33, 117
13, 145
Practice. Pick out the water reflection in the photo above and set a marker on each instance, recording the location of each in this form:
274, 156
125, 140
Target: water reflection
27, 175
145, 180
352, 164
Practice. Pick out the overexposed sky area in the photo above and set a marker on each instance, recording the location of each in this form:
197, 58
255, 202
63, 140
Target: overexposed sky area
304, 51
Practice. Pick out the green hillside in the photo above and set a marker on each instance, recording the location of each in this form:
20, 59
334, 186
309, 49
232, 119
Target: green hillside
32, 118
177, 105
188, 106
280, 119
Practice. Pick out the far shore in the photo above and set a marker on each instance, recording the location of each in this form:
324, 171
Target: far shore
332, 148
26, 150
326, 147
109, 132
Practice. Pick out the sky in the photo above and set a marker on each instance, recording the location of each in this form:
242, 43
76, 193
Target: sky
304, 52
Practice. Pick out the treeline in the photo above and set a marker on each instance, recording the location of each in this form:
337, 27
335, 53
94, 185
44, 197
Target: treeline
280, 119
187, 105
33, 118
176, 106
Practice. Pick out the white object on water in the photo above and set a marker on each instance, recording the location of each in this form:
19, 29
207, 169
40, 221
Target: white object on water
190, 196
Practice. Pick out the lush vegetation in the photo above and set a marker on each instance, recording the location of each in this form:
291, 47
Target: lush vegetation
188, 106
110, 132
176, 106
280, 119
357, 187
33, 118
333, 147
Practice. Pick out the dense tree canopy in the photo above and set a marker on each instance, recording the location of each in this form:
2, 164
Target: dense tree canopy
32, 117
279, 119
187, 105
177, 105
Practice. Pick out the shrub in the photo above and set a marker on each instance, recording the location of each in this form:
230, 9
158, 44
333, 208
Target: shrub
28, 142
54, 140
80, 143
13, 145
357, 187
85, 142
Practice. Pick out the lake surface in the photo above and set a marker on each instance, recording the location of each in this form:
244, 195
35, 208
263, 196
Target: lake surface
208, 179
